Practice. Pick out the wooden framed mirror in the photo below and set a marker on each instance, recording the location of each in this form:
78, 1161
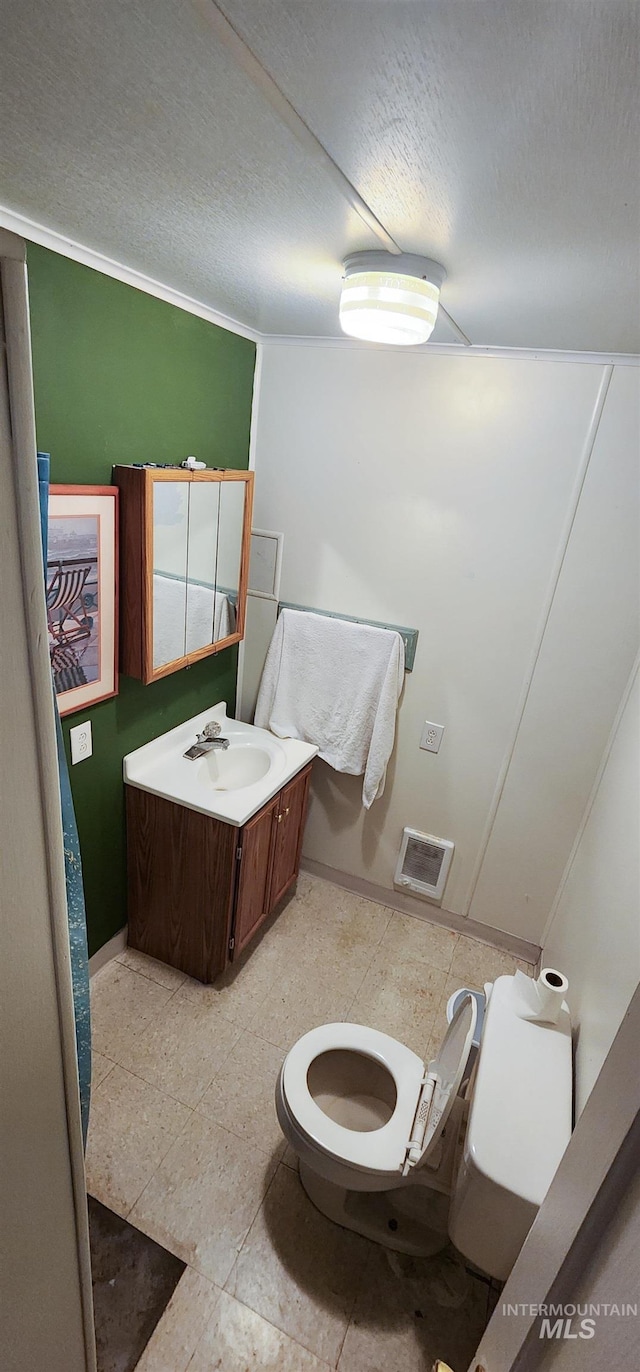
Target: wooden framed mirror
184, 565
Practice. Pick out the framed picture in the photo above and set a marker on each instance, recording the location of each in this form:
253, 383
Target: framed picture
82, 594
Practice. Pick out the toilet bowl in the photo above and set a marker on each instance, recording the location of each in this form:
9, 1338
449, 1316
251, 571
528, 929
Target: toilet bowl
355, 1104
389, 1147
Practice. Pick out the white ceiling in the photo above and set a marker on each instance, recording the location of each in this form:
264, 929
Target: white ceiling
499, 136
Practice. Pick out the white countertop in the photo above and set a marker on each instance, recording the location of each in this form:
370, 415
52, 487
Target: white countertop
207, 784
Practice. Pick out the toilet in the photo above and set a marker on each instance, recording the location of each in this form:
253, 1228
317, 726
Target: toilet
392, 1147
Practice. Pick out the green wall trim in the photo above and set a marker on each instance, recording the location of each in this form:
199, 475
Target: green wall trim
120, 376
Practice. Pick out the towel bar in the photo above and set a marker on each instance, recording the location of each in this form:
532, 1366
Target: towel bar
408, 636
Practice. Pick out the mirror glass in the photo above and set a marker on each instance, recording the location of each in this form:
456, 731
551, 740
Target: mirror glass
170, 532
232, 498
204, 606
197, 551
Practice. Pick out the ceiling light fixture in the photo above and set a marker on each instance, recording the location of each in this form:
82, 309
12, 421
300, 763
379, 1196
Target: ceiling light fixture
390, 298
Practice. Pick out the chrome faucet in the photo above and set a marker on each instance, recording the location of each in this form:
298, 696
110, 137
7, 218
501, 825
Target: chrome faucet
207, 741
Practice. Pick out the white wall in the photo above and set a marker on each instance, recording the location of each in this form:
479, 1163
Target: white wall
594, 936
437, 491
587, 651
262, 614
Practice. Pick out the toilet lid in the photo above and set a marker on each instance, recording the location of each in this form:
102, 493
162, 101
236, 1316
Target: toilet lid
441, 1084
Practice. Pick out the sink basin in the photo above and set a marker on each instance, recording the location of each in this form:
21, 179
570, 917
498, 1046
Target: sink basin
230, 784
241, 764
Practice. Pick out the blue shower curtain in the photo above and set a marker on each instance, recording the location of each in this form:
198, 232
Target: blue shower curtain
73, 867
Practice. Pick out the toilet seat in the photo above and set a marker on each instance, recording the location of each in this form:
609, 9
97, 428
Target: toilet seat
382, 1150
424, 1094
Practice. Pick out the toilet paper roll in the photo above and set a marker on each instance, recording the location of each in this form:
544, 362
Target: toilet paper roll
542, 998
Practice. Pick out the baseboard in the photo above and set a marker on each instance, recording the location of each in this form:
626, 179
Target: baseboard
433, 914
109, 950
395, 900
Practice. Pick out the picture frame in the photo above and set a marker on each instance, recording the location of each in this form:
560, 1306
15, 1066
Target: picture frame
82, 594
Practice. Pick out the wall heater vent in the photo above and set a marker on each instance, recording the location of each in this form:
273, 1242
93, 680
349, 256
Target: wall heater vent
423, 864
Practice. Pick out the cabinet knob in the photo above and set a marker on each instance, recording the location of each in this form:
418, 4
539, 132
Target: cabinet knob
279, 818
287, 810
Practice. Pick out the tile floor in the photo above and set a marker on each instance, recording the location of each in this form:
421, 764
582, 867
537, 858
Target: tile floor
184, 1142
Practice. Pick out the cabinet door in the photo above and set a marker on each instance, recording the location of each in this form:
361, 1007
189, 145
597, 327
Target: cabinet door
252, 906
202, 564
289, 825
169, 554
181, 868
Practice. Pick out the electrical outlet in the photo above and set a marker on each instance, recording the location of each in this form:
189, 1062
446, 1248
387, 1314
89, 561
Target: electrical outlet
81, 742
431, 737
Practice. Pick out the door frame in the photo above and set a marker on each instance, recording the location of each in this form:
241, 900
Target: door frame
594, 1174
49, 1309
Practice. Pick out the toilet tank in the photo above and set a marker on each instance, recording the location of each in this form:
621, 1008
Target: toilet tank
519, 1126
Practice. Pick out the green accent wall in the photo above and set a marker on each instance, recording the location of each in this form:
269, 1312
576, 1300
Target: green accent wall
120, 376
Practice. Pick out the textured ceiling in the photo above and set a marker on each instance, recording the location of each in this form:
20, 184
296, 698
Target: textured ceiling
500, 136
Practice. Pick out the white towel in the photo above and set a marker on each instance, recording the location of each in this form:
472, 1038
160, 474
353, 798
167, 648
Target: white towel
335, 684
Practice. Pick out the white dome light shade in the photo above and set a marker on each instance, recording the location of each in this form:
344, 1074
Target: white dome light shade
388, 308
388, 299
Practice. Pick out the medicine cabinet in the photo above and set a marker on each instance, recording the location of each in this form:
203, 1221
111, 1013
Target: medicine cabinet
184, 565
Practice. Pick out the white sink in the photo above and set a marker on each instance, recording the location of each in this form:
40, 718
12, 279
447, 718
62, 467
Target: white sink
241, 764
229, 784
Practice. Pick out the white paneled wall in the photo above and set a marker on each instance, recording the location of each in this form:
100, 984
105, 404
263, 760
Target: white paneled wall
437, 491
594, 936
261, 622
587, 652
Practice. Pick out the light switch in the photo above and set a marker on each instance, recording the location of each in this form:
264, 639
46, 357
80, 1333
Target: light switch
81, 742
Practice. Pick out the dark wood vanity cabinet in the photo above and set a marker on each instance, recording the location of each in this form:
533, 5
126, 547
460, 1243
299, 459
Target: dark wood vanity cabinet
199, 889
